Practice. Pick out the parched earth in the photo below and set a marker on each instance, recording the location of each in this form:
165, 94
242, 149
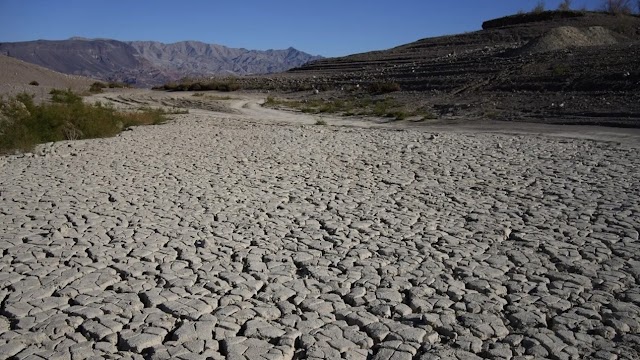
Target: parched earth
227, 236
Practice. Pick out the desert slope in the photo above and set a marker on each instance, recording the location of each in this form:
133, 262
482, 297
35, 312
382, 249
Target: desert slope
16, 75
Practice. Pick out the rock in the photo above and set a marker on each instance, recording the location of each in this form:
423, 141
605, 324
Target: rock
138, 342
262, 330
527, 319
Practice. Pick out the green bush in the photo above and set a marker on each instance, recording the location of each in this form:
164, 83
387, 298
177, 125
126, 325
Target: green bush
64, 96
25, 124
117, 85
34, 83
387, 107
226, 85
98, 86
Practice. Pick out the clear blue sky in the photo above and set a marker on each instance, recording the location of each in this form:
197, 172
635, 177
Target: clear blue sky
320, 27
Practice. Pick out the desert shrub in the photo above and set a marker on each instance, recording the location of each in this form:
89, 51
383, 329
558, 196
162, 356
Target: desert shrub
617, 6
227, 85
217, 97
34, 83
428, 115
97, 87
383, 87
64, 96
522, 18
321, 122
383, 107
565, 5
65, 118
162, 111
387, 107
560, 69
398, 114
538, 8
117, 85
224, 85
303, 87
145, 116
15, 109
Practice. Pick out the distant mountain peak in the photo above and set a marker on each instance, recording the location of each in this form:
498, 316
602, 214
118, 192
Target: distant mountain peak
147, 63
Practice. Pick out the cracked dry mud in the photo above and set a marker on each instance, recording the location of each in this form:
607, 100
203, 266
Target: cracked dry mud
217, 236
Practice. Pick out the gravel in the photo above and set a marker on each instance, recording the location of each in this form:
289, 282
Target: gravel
223, 237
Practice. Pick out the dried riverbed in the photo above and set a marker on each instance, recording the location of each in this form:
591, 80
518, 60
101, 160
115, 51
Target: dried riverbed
219, 236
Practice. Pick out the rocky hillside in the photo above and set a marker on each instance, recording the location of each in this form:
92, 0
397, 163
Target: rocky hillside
144, 63
556, 66
446, 62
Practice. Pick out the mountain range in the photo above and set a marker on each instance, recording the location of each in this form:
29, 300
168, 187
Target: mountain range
147, 63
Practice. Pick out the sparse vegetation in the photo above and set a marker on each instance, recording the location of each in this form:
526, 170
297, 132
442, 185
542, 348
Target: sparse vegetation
172, 111
560, 69
491, 114
23, 124
229, 84
64, 96
386, 107
320, 122
617, 6
565, 5
34, 83
540, 7
213, 97
383, 87
97, 87
117, 85
428, 115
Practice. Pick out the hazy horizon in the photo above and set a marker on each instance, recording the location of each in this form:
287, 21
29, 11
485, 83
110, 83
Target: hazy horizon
329, 28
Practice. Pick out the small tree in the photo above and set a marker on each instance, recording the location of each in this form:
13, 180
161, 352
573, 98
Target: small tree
565, 5
617, 6
539, 7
